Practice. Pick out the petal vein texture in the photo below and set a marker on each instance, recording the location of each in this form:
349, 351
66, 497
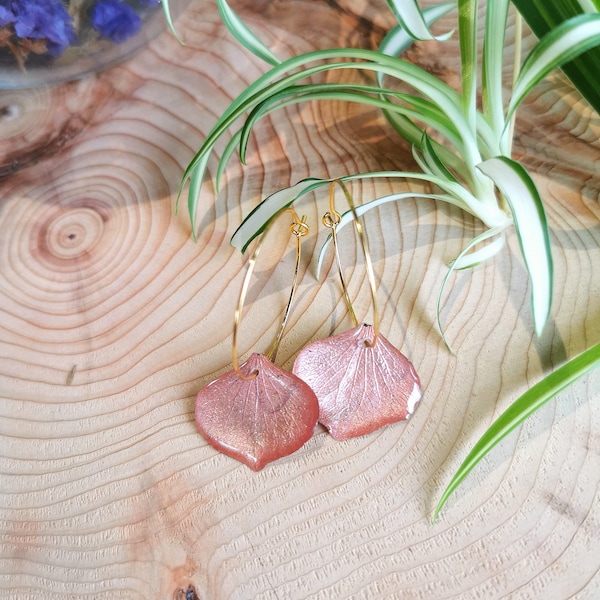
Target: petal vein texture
360, 388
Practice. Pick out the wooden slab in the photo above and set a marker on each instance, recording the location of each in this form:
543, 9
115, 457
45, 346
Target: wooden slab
112, 318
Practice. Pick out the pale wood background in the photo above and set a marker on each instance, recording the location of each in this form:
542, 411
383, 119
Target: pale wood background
112, 318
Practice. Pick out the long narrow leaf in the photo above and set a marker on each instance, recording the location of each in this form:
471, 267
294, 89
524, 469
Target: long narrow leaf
398, 39
348, 217
531, 226
433, 162
243, 35
459, 263
278, 78
413, 20
493, 53
467, 28
423, 111
393, 44
543, 16
472, 259
297, 68
169, 20
564, 43
521, 409
255, 222
414, 135
195, 184
229, 150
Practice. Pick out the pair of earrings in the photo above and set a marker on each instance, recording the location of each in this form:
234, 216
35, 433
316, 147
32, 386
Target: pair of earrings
352, 383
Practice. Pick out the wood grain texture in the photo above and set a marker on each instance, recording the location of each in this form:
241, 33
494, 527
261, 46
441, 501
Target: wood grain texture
112, 318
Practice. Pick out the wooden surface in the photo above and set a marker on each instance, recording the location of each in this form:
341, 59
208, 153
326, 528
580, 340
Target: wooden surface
112, 318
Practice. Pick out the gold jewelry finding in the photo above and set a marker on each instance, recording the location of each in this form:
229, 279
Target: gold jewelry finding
332, 219
298, 229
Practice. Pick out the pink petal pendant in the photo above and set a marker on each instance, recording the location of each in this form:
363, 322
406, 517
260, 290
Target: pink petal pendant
360, 388
257, 420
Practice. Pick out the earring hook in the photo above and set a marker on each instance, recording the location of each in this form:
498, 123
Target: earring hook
331, 220
298, 229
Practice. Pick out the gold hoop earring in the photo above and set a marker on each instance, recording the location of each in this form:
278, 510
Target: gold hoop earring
258, 412
362, 382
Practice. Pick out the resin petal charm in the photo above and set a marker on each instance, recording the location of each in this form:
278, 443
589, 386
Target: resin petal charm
260, 419
360, 388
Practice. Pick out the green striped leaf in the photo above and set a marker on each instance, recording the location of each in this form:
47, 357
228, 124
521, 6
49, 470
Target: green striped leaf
255, 223
531, 226
169, 19
467, 28
280, 77
348, 217
476, 257
413, 107
414, 21
243, 35
399, 39
564, 43
431, 162
466, 259
492, 61
195, 184
455, 194
229, 150
543, 16
521, 409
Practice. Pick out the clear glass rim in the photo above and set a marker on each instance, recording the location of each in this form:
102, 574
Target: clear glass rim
109, 55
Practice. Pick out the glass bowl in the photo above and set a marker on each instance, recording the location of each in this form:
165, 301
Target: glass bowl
51, 41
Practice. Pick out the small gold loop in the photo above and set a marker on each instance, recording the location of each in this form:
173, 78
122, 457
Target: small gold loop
332, 217
298, 229
335, 220
329, 220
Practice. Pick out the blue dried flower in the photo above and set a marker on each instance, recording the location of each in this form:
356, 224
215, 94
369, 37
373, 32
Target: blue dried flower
115, 20
6, 14
45, 20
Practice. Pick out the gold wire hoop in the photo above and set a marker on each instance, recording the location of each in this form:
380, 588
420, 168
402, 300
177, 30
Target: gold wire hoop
331, 220
298, 229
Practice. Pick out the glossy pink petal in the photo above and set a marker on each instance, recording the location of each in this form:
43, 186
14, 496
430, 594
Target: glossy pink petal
257, 420
360, 388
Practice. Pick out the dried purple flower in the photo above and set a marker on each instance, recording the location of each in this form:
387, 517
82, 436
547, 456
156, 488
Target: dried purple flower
115, 20
6, 14
46, 21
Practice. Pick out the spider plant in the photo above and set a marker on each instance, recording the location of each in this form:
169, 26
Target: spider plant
543, 16
462, 148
